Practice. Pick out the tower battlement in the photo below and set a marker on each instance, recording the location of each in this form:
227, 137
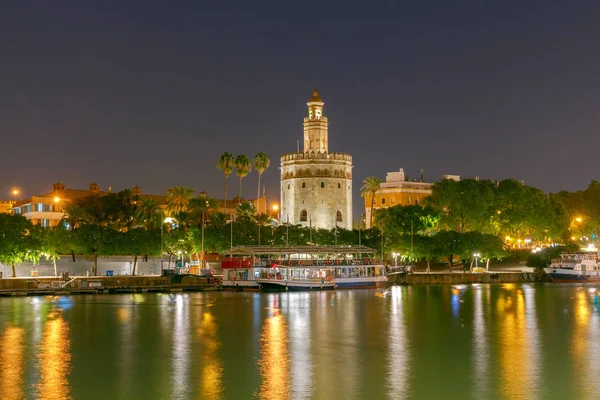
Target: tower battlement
316, 156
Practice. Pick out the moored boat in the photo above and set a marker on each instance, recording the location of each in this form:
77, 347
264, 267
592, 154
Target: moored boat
285, 268
574, 267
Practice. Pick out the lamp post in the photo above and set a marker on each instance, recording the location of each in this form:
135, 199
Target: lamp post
162, 224
476, 255
56, 201
202, 249
395, 255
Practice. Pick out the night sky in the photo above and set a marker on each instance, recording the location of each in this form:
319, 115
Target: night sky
151, 92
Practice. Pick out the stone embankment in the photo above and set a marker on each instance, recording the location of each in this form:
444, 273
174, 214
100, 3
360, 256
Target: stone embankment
465, 278
108, 284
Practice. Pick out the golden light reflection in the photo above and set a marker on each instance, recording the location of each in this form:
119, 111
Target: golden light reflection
54, 359
123, 315
579, 345
515, 354
211, 385
275, 360
12, 364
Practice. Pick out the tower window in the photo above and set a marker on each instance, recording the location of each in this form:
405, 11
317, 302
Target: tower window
338, 216
393, 200
417, 200
303, 216
409, 200
339, 185
383, 200
288, 186
322, 185
303, 185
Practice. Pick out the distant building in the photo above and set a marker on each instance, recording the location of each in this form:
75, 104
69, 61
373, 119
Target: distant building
48, 209
6, 206
316, 185
398, 190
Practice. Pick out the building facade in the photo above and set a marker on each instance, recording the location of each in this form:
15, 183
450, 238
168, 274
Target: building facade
316, 185
398, 190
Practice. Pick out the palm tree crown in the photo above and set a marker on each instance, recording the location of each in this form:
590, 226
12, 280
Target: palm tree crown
261, 163
246, 211
371, 185
225, 164
178, 198
242, 168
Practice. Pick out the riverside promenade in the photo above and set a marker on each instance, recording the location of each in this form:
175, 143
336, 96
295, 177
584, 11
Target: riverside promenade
44, 286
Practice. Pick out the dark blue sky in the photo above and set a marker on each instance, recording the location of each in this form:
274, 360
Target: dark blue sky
151, 92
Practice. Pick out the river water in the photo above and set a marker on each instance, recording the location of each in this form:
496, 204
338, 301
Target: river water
423, 342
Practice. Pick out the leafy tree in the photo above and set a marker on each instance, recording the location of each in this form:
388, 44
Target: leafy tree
261, 163
463, 206
242, 168
149, 214
225, 164
447, 244
406, 220
97, 240
371, 186
543, 258
15, 241
139, 241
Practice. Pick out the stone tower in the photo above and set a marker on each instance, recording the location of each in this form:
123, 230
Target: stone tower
316, 185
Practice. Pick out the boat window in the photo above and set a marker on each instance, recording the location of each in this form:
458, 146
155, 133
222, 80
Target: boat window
303, 216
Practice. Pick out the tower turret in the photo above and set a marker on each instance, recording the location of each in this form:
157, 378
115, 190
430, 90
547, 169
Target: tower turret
315, 126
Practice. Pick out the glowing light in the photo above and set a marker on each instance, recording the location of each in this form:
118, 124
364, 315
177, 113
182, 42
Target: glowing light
578, 219
56, 199
275, 207
507, 238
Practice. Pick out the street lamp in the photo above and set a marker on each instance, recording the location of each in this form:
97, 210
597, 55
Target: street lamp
56, 201
275, 208
167, 220
395, 255
476, 255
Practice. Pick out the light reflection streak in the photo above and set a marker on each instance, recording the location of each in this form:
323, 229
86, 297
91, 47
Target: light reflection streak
399, 353
211, 385
181, 348
126, 340
517, 357
585, 347
54, 359
300, 341
481, 345
275, 360
12, 363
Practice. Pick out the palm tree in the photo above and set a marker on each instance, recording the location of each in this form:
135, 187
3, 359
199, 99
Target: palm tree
371, 185
242, 168
225, 164
147, 213
74, 215
218, 220
202, 204
178, 198
261, 163
246, 211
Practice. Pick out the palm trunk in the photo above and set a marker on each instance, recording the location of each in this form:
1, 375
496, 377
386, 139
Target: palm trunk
471, 266
225, 194
169, 265
55, 267
95, 264
487, 265
240, 195
428, 267
372, 205
14, 271
258, 195
134, 265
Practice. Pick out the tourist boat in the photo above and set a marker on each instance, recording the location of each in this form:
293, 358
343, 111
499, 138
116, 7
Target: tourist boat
575, 267
288, 268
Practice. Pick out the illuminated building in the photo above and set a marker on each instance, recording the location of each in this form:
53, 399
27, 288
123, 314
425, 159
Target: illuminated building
398, 190
316, 185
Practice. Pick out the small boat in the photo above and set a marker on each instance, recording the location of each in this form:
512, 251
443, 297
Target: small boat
292, 268
574, 267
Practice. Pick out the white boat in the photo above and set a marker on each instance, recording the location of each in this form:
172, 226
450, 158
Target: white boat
302, 268
574, 267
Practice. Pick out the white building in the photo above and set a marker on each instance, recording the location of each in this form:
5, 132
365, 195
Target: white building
316, 185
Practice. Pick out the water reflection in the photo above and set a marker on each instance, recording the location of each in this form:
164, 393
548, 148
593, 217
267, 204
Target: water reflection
275, 359
181, 348
399, 355
517, 355
585, 347
481, 346
212, 368
54, 359
299, 314
12, 363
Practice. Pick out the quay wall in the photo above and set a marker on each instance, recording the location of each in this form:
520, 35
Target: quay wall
466, 278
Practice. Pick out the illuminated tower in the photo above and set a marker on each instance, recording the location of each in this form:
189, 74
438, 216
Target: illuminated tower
316, 185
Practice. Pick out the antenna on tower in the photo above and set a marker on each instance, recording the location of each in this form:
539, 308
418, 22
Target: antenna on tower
421, 178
